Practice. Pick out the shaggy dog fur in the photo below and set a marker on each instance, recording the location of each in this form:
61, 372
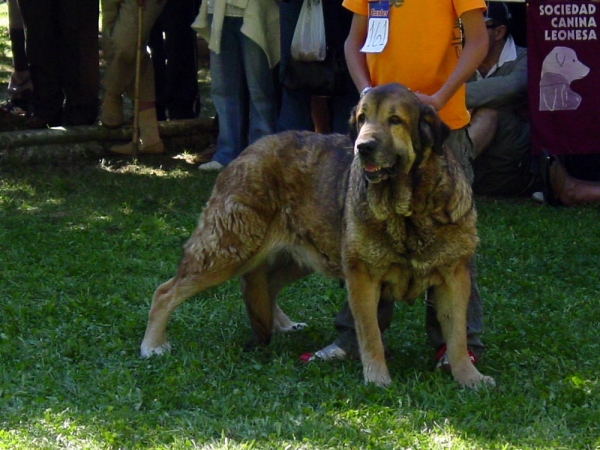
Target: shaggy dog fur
388, 210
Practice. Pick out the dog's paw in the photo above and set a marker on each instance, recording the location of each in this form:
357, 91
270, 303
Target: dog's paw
485, 381
379, 376
477, 382
292, 326
147, 351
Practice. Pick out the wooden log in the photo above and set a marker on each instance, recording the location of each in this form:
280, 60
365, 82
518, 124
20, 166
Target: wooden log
62, 143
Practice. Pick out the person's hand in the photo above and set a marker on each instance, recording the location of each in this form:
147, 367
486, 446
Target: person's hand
432, 100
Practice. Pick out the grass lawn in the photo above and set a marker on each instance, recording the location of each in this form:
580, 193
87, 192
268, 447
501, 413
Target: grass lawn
83, 248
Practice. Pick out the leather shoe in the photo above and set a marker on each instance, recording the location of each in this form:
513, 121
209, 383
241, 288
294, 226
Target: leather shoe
38, 122
111, 115
546, 161
127, 149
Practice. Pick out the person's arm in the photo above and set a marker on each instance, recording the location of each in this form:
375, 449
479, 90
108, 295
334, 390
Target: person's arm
506, 89
471, 56
357, 60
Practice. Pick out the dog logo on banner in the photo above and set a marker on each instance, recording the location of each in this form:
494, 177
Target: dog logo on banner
560, 68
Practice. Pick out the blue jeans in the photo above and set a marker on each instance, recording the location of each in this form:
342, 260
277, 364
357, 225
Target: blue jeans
242, 90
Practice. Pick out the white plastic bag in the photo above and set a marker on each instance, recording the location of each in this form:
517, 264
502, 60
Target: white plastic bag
308, 43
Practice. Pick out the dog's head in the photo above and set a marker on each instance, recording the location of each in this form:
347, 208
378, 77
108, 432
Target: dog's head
564, 61
393, 132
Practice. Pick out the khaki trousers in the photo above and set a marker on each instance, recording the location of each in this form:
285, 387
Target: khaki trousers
119, 43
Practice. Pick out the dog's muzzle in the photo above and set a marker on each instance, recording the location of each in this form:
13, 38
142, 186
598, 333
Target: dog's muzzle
373, 172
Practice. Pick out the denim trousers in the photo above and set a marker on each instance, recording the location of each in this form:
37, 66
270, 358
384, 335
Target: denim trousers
242, 91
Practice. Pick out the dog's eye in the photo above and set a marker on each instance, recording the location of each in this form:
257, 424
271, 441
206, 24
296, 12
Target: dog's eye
360, 119
395, 120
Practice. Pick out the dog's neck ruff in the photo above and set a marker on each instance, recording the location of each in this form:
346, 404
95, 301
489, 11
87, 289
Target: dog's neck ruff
389, 196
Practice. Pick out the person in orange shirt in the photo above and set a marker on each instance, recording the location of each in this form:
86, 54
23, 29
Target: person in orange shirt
432, 47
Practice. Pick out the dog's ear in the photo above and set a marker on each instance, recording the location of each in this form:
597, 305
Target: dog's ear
432, 130
352, 130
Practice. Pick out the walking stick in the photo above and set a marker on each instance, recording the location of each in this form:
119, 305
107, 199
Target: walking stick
138, 69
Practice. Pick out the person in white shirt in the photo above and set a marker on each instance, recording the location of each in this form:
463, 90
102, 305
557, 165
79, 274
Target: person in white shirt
497, 99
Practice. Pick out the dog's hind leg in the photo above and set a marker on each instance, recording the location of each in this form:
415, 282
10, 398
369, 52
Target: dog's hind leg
283, 271
169, 295
260, 288
283, 324
450, 299
259, 305
226, 242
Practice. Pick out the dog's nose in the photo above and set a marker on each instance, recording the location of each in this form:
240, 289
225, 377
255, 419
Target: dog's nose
366, 147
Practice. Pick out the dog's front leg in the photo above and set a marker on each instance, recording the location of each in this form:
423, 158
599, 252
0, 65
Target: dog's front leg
451, 299
363, 297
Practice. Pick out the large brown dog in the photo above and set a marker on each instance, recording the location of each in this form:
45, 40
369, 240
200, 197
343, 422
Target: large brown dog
389, 211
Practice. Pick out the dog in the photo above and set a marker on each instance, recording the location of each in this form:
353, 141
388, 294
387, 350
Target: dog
387, 209
559, 69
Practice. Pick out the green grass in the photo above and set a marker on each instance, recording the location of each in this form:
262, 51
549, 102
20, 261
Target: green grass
82, 250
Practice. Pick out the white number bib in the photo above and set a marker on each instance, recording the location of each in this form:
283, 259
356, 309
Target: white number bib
379, 24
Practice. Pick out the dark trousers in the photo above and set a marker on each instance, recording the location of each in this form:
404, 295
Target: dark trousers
174, 57
462, 147
295, 113
348, 341
62, 47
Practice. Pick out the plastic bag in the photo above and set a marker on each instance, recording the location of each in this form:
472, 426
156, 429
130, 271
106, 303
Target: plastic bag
308, 43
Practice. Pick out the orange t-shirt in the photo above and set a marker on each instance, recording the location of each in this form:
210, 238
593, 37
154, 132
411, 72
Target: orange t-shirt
424, 43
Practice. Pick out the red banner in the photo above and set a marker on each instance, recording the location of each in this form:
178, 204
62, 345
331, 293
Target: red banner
564, 76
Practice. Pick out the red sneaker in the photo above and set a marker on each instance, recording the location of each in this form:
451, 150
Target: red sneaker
441, 359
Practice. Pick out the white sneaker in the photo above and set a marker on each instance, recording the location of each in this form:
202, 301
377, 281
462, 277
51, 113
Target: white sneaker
329, 353
213, 166
538, 197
